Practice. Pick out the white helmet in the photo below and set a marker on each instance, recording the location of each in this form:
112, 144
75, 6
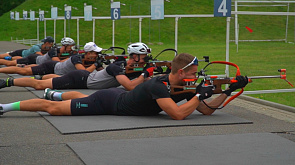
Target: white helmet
67, 41
138, 48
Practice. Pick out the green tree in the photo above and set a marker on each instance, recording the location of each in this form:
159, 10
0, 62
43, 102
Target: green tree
8, 5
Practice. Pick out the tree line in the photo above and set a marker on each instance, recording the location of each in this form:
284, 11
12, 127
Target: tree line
6, 6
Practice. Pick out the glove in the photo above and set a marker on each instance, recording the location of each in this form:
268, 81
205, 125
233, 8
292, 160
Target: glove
242, 82
204, 91
52, 52
149, 71
168, 70
98, 62
158, 69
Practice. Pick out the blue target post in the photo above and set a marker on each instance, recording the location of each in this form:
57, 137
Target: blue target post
115, 14
222, 8
25, 15
12, 15
68, 12
115, 10
41, 15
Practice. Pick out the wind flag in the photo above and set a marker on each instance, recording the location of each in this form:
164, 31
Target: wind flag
250, 30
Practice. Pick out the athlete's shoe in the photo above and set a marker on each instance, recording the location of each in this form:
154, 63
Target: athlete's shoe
1, 112
6, 82
21, 65
48, 94
38, 77
8, 58
2, 83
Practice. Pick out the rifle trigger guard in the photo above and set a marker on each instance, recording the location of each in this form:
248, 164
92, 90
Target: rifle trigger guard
238, 73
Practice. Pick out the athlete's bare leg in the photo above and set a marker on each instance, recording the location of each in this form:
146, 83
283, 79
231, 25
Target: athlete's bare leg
18, 70
30, 82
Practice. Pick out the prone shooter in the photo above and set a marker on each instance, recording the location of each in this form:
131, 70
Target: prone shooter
217, 82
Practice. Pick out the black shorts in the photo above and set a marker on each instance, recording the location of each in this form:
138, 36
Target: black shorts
17, 53
45, 68
102, 102
31, 59
76, 79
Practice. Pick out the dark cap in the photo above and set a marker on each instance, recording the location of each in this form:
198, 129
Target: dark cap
47, 39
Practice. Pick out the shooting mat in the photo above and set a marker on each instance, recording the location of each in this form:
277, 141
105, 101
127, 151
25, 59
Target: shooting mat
85, 124
253, 148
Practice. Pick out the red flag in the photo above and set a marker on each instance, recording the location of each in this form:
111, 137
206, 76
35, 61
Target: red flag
250, 30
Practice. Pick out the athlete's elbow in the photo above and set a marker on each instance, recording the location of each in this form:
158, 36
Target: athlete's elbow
178, 117
208, 112
129, 87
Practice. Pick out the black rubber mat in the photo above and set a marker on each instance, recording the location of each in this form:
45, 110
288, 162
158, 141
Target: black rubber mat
242, 149
84, 124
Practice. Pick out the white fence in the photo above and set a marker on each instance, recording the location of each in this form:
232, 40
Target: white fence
26, 41
261, 3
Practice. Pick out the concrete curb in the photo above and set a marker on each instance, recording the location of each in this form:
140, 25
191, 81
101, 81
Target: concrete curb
268, 103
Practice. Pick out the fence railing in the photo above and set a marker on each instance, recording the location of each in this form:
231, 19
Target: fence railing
26, 41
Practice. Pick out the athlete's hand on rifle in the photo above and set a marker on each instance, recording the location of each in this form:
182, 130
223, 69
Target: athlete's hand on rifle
242, 81
204, 91
148, 71
52, 52
98, 62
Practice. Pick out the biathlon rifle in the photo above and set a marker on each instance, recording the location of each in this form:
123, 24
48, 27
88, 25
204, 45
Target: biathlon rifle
152, 62
218, 81
74, 50
104, 58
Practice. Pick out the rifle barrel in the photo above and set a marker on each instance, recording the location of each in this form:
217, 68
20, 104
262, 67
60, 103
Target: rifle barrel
259, 77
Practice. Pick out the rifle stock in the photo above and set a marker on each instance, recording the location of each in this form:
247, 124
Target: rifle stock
114, 57
177, 89
136, 67
160, 63
139, 67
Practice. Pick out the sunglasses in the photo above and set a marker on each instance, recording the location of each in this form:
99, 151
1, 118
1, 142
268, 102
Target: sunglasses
194, 62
